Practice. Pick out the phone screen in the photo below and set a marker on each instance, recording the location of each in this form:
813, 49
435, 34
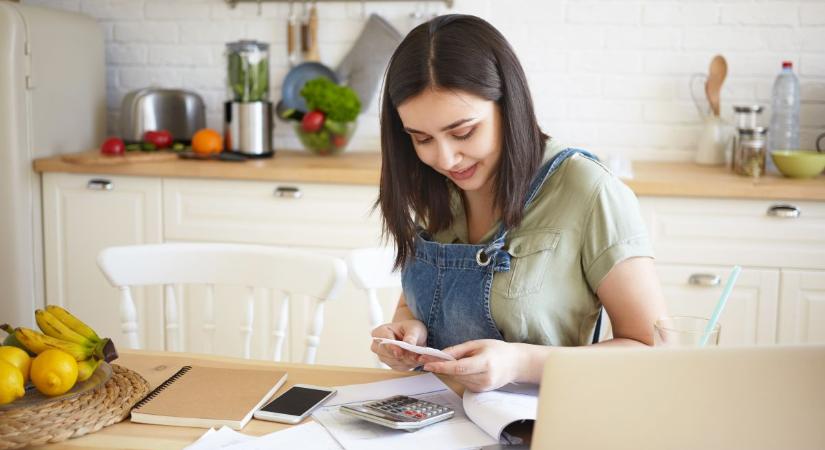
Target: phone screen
295, 401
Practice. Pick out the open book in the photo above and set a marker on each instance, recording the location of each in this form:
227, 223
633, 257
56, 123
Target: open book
479, 418
206, 397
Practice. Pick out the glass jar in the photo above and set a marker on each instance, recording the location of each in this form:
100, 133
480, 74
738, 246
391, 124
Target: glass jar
747, 116
750, 152
247, 76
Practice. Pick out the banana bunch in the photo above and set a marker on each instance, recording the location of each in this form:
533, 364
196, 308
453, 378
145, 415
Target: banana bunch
63, 331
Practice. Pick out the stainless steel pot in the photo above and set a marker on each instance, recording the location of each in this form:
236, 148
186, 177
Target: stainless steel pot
179, 111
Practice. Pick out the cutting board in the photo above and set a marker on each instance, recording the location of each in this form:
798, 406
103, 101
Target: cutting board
94, 157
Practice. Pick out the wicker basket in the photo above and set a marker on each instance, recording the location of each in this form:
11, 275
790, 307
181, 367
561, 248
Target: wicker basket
63, 419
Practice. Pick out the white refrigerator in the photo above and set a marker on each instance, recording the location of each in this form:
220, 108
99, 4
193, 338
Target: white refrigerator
52, 101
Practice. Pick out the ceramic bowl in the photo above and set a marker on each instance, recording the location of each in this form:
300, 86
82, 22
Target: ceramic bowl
799, 163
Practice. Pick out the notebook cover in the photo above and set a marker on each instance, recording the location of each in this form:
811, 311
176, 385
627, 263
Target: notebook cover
209, 396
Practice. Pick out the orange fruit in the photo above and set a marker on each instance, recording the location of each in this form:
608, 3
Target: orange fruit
207, 141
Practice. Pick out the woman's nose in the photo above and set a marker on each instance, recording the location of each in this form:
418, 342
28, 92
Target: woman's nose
448, 156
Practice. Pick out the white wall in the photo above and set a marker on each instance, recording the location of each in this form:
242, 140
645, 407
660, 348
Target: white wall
611, 76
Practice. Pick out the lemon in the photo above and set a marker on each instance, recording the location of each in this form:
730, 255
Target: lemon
54, 372
11, 383
18, 358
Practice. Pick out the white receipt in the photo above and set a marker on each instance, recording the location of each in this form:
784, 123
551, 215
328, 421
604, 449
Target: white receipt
416, 349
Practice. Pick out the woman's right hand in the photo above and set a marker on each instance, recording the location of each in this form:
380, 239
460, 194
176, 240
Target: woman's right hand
411, 331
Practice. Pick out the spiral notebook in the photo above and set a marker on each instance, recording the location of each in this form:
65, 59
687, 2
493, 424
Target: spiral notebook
205, 397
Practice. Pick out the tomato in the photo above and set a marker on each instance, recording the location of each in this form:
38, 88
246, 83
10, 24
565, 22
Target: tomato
113, 146
312, 121
339, 140
161, 138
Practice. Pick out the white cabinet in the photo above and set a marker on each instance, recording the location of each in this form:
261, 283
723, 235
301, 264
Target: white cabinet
772, 301
750, 313
802, 309
82, 214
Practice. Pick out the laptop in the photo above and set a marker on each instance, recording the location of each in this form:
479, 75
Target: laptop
718, 398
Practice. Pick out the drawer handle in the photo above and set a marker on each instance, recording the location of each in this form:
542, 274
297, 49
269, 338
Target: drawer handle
784, 211
704, 279
288, 192
100, 184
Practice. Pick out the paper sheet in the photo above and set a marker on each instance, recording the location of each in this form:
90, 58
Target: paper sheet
494, 410
354, 433
308, 436
219, 439
415, 348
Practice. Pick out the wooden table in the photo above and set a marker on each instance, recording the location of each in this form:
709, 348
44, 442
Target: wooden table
129, 435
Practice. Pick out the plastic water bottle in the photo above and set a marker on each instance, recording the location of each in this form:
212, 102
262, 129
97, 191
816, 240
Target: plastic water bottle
783, 133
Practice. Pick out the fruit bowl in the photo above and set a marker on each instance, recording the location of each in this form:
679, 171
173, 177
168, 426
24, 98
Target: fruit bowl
331, 139
799, 163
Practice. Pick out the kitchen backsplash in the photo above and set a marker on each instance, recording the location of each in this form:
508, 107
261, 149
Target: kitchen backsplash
611, 76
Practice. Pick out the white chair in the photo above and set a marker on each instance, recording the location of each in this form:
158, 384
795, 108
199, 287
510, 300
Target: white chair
370, 269
251, 266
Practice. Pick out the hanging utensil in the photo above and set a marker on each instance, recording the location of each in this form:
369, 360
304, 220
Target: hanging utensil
304, 30
312, 50
713, 86
292, 53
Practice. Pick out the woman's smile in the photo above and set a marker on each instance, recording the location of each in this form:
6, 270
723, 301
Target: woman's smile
463, 174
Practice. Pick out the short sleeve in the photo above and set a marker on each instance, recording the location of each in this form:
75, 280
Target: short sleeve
613, 232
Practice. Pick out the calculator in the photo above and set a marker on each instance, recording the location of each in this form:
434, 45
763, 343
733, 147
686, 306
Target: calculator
400, 412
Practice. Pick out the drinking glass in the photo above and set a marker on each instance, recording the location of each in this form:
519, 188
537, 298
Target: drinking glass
683, 331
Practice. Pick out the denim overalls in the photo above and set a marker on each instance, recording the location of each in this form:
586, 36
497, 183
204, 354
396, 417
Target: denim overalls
447, 286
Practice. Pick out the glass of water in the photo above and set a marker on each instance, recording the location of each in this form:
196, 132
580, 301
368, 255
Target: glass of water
683, 331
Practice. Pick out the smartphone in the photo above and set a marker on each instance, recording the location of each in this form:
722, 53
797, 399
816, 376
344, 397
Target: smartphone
295, 404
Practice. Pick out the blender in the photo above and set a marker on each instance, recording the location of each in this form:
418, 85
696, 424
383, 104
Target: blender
248, 112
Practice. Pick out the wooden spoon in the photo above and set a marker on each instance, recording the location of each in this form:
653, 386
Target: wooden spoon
716, 76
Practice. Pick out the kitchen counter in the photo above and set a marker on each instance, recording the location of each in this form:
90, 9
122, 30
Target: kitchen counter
680, 179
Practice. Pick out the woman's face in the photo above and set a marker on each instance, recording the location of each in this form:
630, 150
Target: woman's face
456, 133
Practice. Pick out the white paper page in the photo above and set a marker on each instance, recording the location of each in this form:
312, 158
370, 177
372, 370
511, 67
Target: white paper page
219, 439
309, 436
414, 385
415, 348
353, 433
494, 410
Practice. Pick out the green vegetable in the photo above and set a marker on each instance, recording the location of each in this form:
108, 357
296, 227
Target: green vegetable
148, 147
178, 146
339, 103
249, 82
133, 147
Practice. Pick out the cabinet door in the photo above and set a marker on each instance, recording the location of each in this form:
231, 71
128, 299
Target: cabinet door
82, 214
802, 307
750, 313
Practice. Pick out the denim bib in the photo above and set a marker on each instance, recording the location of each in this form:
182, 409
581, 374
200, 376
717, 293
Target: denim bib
447, 286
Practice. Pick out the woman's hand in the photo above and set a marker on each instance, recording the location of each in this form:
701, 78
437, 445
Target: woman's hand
411, 331
481, 365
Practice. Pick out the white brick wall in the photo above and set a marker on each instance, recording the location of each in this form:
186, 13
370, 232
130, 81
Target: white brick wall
611, 76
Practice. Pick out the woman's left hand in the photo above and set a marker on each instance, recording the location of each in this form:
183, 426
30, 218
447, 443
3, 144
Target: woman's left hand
481, 365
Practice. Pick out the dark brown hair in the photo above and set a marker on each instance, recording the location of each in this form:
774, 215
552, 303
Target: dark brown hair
462, 53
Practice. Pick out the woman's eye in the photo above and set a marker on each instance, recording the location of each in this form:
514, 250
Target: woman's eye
465, 135
423, 141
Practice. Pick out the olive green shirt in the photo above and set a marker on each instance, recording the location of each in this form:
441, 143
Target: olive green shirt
582, 222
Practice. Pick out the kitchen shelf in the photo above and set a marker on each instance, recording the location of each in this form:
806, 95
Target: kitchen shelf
232, 3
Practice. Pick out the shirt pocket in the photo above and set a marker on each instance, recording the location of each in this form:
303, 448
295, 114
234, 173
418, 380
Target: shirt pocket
531, 254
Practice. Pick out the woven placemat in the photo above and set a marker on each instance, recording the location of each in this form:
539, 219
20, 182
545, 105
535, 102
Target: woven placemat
63, 419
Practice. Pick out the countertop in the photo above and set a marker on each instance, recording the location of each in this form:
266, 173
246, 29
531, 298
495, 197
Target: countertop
651, 178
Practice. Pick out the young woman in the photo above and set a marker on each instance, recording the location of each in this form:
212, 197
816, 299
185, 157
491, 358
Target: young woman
509, 244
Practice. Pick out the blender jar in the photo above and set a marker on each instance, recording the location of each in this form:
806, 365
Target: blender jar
247, 71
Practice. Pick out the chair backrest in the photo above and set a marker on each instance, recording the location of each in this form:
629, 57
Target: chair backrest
295, 273
371, 269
